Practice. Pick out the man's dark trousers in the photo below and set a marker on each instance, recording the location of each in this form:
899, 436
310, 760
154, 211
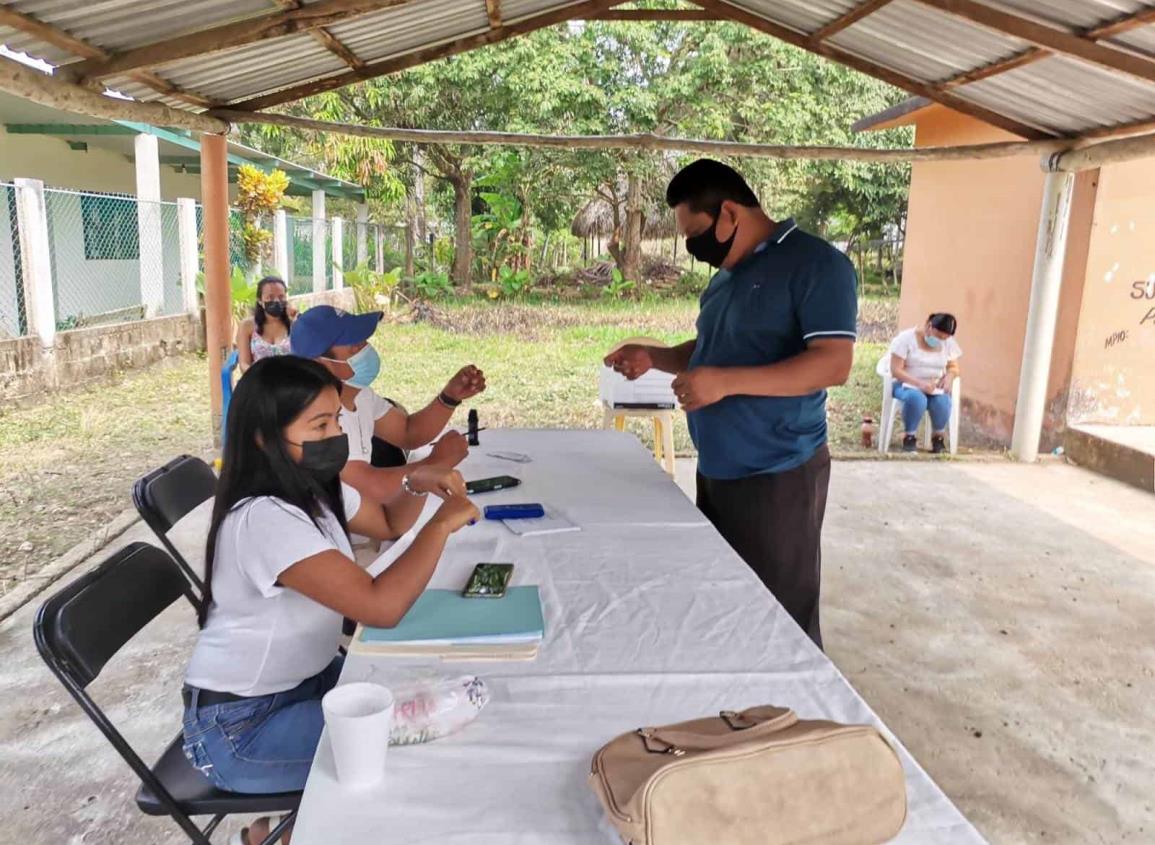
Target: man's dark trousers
774, 523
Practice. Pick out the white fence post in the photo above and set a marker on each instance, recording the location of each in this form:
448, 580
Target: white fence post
362, 233
380, 248
320, 268
32, 220
150, 231
337, 230
186, 216
281, 243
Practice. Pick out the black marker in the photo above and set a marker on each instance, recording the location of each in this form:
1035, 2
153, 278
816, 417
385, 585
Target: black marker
473, 429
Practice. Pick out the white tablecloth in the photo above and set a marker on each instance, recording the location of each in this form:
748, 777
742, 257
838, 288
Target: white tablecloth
651, 618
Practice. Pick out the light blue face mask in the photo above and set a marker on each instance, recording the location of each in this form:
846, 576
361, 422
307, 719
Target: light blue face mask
366, 365
932, 341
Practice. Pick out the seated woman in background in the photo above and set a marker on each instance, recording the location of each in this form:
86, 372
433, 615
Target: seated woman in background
279, 577
266, 333
924, 364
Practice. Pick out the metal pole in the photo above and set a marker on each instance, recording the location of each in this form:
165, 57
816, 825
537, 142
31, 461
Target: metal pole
218, 295
1042, 315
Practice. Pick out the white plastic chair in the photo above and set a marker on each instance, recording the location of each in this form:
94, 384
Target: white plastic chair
654, 388
891, 410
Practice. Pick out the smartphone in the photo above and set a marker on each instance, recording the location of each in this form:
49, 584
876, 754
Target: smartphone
488, 581
489, 485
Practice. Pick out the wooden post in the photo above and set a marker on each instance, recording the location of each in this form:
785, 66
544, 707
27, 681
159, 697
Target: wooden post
218, 295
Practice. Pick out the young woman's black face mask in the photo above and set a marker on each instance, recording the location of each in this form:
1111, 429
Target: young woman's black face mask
274, 308
324, 459
706, 247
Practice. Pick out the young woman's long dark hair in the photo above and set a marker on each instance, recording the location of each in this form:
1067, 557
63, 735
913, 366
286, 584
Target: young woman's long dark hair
272, 393
943, 322
259, 315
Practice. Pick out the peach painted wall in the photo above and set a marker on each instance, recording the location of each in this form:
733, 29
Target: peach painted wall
1114, 373
971, 233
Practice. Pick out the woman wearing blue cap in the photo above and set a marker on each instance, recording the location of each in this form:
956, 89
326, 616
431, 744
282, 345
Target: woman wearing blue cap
340, 342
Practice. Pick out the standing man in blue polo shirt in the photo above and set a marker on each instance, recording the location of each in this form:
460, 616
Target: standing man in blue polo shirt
776, 328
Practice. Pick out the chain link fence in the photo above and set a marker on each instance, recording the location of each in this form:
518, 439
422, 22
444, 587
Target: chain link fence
114, 258
13, 317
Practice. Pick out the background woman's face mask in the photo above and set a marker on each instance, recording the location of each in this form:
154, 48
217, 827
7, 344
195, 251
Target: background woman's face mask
274, 307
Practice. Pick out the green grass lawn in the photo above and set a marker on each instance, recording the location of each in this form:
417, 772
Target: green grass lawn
68, 464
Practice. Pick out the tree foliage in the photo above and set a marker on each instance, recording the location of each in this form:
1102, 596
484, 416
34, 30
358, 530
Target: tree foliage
720, 81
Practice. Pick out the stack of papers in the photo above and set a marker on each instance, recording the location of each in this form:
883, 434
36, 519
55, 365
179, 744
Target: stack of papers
442, 623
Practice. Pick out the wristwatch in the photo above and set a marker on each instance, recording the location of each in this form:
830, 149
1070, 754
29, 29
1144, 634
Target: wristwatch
447, 400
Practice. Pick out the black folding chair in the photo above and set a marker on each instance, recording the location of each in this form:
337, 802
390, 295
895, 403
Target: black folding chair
80, 628
167, 495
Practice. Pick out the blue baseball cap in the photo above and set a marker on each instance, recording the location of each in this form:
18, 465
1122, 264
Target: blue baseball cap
322, 327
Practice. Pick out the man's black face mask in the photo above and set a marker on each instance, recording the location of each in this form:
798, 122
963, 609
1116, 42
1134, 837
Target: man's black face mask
706, 246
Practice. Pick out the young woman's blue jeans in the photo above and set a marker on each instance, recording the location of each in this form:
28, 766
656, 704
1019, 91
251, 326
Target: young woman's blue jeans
915, 403
261, 744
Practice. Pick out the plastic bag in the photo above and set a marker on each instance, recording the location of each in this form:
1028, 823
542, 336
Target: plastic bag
430, 709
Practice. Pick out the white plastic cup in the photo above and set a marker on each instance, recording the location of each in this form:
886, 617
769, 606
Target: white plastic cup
359, 717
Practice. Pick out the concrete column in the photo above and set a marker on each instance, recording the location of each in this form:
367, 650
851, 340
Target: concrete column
186, 214
337, 231
36, 260
1042, 314
320, 267
362, 233
281, 244
218, 294
148, 221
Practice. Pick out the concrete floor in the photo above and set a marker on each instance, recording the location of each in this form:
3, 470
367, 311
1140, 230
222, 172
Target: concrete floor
1000, 618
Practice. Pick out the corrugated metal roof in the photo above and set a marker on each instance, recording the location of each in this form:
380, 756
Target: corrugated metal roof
421, 23
924, 44
1066, 94
1057, 95
804, 16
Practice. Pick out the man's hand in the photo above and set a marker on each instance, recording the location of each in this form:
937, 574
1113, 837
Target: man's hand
468, 382
700, 387
450, 450
632, 361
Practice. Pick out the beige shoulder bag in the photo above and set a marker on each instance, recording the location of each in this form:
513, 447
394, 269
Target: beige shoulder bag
759, 777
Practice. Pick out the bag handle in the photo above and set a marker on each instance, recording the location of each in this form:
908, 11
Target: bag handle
754, 723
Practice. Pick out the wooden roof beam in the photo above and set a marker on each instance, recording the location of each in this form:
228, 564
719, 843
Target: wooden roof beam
428, 54
277, 24
862, 10
1046, 37
914, 86
493, 12
1124, 23
327, 39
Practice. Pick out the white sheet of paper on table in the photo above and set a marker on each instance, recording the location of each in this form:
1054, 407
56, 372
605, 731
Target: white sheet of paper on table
552, 523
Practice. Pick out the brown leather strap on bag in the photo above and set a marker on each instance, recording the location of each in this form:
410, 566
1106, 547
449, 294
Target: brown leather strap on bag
744, 726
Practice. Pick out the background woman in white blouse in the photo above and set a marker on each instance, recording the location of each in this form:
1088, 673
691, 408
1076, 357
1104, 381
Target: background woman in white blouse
924, 364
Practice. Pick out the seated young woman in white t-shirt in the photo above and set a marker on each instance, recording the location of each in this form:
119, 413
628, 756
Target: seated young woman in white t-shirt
924, 364
280, 576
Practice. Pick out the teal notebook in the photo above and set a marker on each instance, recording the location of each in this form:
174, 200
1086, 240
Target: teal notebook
445, 617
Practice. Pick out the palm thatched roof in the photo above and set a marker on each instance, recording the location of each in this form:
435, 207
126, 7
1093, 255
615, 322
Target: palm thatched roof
596, 217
